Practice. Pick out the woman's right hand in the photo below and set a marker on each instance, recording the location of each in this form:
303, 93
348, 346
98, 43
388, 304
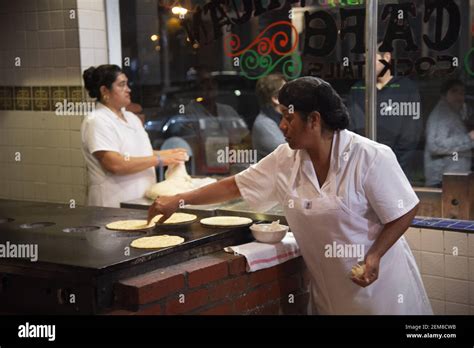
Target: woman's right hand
163, 205
173, 156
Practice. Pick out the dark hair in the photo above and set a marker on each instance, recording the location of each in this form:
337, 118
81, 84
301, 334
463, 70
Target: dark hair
308, 94
103, 75
268, 87
447, 85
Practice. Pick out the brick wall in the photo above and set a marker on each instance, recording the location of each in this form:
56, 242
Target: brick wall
217, 284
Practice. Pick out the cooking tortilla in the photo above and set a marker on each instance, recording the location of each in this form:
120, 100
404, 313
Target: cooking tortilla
226, 221
134, 225
155, 242
130, 225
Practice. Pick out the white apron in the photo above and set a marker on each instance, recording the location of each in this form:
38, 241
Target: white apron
319, 221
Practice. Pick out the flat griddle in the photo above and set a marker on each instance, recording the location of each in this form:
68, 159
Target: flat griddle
77, 253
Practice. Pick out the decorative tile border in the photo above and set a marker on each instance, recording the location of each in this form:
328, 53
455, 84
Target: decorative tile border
38, 98
443, 224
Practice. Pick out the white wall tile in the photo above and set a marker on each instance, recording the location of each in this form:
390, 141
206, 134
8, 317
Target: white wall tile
435, 287
58, 40
471, 293
56, 4
46, 57
79, 194
100, 56
41, 191
56, 19
79, 176
71, 18
65, 157
99, 40
31, 19
456, 309
29, 191
471, 244
432, 263
87, 57
438, 307
86, 38
77, 158
43, 21
455, 242
72, 38
54, 193
432, 240
457, 291
413, 237
471, 268
456, 267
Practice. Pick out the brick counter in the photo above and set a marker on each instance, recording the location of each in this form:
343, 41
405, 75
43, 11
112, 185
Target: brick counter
216, 284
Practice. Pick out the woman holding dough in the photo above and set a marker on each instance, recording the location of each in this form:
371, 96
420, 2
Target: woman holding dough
335, 186
119, 156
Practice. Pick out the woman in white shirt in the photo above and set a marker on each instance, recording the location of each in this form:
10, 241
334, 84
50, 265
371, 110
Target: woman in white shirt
119, 156
337, 188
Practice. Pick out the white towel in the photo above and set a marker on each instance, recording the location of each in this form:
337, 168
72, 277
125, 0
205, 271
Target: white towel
263, 255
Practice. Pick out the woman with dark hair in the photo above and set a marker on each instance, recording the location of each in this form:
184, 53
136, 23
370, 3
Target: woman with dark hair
339, 191
119, 156
448, 142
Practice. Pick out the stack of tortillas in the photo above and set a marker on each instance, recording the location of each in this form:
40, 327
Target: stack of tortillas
155, 242
135, 225
176, 181
226, 221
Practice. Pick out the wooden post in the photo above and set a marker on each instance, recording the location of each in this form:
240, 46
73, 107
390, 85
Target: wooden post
458, 196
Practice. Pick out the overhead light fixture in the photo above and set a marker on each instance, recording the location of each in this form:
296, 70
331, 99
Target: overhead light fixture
154, 37
179, 11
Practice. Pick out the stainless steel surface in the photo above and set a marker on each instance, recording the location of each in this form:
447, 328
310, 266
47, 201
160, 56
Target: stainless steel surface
238, 205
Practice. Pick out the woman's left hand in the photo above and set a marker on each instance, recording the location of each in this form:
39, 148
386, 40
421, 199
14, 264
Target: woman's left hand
371, 273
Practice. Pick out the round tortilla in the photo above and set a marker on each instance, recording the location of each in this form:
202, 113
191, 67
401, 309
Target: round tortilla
226, 221
130, 225
155, 242
136, 225
176, 218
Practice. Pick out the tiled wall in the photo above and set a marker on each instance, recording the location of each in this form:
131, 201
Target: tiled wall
40, 156
446, 263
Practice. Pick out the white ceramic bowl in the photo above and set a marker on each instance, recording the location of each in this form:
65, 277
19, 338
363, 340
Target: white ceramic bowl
265, 234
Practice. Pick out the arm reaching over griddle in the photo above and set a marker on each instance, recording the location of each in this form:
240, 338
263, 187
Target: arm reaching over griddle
220, 191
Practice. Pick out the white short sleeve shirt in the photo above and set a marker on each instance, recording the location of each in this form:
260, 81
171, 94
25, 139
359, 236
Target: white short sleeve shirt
366, 175
102, 130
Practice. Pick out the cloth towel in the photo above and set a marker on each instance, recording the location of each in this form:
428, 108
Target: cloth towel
263, 255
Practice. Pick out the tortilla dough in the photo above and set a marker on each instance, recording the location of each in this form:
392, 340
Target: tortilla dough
358, 271
155, 242
226, 221
133, 225
176, 181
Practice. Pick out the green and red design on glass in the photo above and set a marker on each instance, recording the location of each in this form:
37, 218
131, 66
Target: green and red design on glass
256, 59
